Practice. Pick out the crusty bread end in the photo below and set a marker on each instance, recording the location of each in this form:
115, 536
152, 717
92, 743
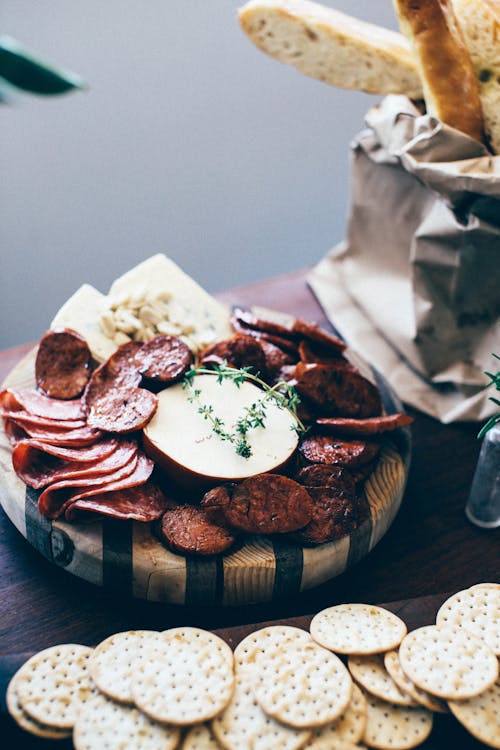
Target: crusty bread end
479, 21
451, 89
332, 47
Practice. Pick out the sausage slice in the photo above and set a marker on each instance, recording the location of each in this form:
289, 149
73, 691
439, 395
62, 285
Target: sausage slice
62, 365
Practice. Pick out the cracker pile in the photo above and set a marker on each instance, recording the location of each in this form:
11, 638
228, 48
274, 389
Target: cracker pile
358, 679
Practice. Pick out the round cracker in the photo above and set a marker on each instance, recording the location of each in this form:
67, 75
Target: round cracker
25, 721
201, 738
54, 683
244, 724
267, 639
334, 743
448, 662
369, 671
422, 697
189, 678
349, 727
357, 629
477, 610
391, 727
112, 663
103, 723
301, 684
481, 715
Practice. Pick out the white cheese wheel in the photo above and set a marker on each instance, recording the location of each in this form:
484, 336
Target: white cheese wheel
185, 445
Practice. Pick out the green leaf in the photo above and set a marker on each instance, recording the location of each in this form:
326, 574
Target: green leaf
24, 70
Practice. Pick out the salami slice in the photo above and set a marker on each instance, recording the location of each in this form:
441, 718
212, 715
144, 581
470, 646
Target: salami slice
30, 450
189, 530
325, 449
364, 427
144, 503
38, 469
119, 371
79, 437
337, 391
163, 360
122, 410
41, 406
268, 504
24, 418
334, 515
314, 333
52, 501
238, 351
62, 365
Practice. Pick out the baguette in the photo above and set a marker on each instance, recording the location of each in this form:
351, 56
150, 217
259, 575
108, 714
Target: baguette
479, 21
451, 89
332, 47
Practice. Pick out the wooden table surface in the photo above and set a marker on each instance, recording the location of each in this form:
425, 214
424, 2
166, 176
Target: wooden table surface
430, 549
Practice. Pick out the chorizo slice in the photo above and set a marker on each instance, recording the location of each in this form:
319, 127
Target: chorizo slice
237, 351
268, 504
144, 503
249, 319
62, 365
325, 449
313, 332
163, 360
122, 410
275, 359
189, 530
326, 475
215, 501
337, 391
364, 427
41, 406
334, 515
312, 352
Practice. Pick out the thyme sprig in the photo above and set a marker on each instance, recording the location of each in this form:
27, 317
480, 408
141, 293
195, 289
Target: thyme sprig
281, 393
492, 421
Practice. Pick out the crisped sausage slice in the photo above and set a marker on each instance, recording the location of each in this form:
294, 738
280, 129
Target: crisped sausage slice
325, 449
62, 365
119, 371
268, 504
364, 427
41, 406
314, 333
215, 501
189, 530
326, 475
315, 353
122, 410
334, 515
248, 319
163, 360
238, 351
337, 391
275, 359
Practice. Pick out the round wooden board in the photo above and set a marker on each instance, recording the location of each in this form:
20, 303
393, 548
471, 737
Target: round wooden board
127, 556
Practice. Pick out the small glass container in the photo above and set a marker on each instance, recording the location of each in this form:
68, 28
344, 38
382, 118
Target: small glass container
483, 506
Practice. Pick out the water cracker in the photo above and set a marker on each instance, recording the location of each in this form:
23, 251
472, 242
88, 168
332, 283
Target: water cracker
357, 629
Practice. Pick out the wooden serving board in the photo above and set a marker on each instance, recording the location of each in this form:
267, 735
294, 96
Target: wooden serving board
127, 556
446, 733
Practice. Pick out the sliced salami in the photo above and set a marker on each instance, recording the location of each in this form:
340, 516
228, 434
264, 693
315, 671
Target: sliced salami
62, 366
38, 469
41, 406
268, 504
79, 437
189, 530
337, 391
163, 360
122, 410
139, 476
364, 427
325, 449
314, 333
24, 418
144, 502
30, 450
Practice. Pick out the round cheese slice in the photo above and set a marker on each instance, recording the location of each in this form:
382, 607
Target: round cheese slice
185, 445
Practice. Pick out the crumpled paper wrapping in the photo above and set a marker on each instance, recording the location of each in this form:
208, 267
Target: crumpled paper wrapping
415, 287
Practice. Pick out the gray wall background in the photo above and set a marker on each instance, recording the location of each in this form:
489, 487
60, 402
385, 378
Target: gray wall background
189, 141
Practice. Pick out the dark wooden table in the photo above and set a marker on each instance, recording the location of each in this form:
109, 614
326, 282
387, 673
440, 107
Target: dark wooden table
430, 549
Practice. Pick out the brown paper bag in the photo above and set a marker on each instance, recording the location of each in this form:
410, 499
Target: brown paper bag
421, 261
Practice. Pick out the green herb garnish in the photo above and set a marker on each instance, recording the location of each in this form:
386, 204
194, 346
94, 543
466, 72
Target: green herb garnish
492, 421
281, 393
